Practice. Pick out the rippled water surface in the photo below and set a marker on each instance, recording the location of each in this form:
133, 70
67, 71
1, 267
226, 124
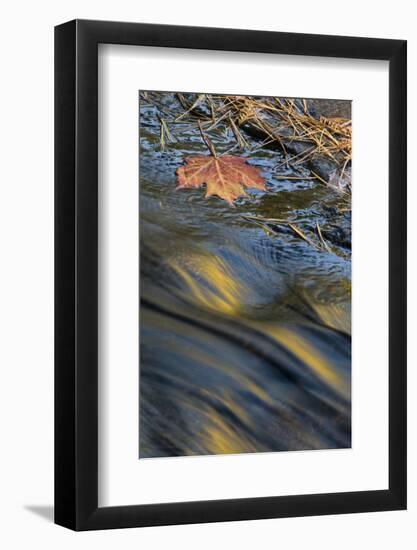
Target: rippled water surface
244, 326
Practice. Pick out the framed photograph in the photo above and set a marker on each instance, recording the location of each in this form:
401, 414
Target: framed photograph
230, 275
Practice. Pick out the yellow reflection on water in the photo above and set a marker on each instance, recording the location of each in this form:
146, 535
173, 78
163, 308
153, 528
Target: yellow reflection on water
217, 289
221, 437
307, 353
336, 316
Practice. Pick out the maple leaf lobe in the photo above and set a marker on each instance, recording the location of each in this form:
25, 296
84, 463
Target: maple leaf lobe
226, 177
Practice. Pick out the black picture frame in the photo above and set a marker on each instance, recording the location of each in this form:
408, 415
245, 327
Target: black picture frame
76, 272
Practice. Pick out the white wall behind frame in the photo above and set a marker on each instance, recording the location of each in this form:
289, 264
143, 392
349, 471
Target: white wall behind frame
26, 226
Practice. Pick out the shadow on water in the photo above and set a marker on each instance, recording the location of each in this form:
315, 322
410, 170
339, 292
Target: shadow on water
244, 328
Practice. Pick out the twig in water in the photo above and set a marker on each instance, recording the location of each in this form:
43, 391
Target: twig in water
263, 221
298, 232
165, 133
326, 246
294, 177
193, 106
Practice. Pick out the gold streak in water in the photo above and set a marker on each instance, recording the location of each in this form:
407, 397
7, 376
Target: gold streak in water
308, 354
220, 292
222, 438
336, 316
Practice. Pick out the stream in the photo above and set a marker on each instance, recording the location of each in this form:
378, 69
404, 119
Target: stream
245, 339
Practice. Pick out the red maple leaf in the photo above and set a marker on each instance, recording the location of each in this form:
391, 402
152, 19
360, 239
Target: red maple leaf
227, 176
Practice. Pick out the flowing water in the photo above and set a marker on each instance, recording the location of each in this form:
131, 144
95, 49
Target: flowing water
244, 326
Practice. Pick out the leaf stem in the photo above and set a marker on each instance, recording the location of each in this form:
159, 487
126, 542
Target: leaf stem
206, 140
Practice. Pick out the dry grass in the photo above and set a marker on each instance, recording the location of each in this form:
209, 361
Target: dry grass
282, 120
